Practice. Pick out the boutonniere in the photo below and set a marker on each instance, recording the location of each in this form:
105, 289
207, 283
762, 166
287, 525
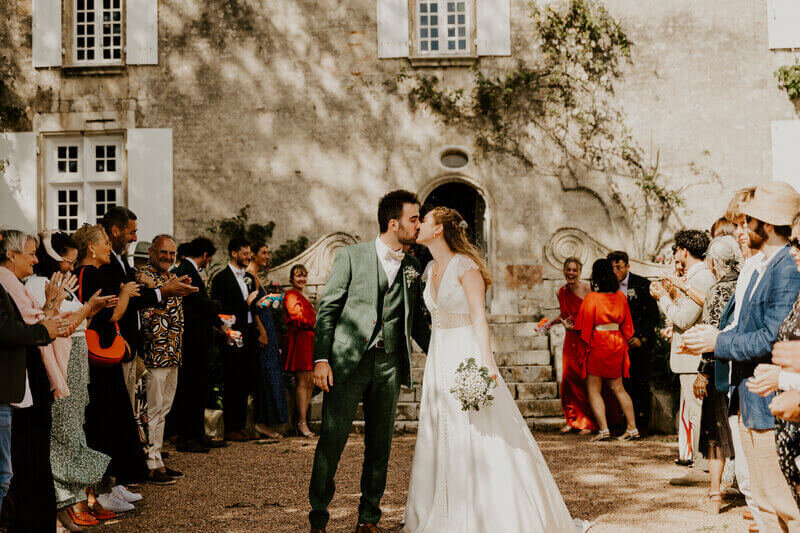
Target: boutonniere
411, 274
630, 293
248, 282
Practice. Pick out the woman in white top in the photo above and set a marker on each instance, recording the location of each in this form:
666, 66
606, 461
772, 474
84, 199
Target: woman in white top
75, 466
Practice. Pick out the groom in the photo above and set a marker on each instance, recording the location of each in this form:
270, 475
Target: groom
362, 352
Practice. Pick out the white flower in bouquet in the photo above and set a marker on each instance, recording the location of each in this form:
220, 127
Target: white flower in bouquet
473, 386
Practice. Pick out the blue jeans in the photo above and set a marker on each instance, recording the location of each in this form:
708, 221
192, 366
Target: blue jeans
5, 450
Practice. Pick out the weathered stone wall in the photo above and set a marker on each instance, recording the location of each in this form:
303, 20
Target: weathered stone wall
284, 105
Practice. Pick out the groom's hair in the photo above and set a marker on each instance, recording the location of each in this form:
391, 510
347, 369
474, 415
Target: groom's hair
391, 207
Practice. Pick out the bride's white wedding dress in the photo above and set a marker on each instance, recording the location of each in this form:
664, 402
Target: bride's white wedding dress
474, 472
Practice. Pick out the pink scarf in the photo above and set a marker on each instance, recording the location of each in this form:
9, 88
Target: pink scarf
56, 354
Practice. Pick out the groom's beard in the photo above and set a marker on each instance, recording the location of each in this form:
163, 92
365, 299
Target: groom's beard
407, 239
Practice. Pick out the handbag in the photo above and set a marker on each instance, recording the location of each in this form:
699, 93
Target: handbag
99, 355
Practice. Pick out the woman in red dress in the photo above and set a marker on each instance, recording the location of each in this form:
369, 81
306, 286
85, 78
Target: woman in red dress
574, 399
605, 325
299, 347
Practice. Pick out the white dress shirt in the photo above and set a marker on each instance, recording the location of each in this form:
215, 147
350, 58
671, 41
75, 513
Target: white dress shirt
762, 267
745, 275
194, 264
391, 265
239, 275
623, 285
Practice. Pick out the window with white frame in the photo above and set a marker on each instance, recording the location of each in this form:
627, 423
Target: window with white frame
83, 179
444, 27
97, 31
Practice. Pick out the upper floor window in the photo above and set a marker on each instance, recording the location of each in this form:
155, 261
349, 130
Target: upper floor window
97, 34
83, 179
444, 27
98, 31
442, 32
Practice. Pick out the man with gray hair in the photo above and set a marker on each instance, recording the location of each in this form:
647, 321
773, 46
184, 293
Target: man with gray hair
163, 338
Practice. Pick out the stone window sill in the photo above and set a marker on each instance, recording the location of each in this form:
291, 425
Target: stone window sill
93, 70
443, 61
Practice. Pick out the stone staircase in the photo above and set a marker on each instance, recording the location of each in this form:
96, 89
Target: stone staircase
525, 361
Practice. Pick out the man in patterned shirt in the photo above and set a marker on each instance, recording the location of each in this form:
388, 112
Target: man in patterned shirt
163, 337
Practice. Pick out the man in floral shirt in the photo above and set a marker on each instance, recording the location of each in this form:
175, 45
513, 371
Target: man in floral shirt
163, 336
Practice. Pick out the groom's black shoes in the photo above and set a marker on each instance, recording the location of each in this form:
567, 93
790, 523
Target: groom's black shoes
367, 528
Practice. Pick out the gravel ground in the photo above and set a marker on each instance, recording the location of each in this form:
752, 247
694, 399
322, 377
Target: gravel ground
262, 486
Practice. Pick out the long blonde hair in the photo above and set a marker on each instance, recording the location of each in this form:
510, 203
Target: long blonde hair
455, 235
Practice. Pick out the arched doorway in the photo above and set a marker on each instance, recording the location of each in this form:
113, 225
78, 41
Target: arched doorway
465, 199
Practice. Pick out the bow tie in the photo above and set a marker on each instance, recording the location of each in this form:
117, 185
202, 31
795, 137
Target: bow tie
395, 256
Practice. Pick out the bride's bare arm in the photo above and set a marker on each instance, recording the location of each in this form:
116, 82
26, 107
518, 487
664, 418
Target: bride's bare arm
475, 289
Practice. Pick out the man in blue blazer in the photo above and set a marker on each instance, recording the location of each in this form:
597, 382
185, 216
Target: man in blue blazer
770, 295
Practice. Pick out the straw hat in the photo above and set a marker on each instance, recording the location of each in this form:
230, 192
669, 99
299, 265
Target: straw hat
775, 202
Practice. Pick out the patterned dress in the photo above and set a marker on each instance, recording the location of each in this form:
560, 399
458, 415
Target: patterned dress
75, 466
787, 434
715, 430
162, 326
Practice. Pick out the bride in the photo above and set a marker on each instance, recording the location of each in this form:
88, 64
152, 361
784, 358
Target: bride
473, 472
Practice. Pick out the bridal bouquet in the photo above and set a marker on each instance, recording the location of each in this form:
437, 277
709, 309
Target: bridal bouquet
472, 385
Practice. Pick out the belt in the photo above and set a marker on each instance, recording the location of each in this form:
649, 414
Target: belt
606, 327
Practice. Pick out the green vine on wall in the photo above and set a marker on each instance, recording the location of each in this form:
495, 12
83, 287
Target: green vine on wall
789, 80
562, 104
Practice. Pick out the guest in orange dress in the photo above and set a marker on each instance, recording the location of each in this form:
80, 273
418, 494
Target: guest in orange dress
605, 325
574, 398
299, 343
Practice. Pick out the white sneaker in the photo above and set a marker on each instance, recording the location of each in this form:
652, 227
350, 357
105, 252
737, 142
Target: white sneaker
124, 494
112, 502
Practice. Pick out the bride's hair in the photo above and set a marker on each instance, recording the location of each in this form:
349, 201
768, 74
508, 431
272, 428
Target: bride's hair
455, 235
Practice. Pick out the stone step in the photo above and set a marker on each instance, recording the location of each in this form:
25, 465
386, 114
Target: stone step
521, 357
533, 391
546, 423
521, 329
527, 373
524, 357
408, 411
510, 373
511, 319
516, 344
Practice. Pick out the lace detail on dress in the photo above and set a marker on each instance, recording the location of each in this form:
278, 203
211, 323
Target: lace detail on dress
463, 264
444, 320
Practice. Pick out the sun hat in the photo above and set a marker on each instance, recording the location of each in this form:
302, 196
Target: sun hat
775, 202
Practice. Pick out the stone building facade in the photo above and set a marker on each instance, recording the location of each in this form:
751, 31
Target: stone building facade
185, 110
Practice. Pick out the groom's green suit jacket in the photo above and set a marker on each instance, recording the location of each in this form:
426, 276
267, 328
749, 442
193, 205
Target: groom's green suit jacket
347, 317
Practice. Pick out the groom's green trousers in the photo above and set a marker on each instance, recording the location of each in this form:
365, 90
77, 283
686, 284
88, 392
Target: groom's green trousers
376, 381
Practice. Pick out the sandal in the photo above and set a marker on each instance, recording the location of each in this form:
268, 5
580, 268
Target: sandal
566, 429
629, 435
82, 517
100, 512
602, 435
307, 433
712, 503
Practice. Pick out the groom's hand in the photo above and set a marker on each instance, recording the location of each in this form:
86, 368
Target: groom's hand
323, 375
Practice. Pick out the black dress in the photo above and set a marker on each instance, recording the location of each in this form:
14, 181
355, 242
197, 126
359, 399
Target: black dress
787, 434
110, 425
30, 504
715, 430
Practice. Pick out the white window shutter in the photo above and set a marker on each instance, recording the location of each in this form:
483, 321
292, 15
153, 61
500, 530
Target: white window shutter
150, 187
786, 151
494, 27
783, 21
19, 204
141, 32
47, 33
392, 28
